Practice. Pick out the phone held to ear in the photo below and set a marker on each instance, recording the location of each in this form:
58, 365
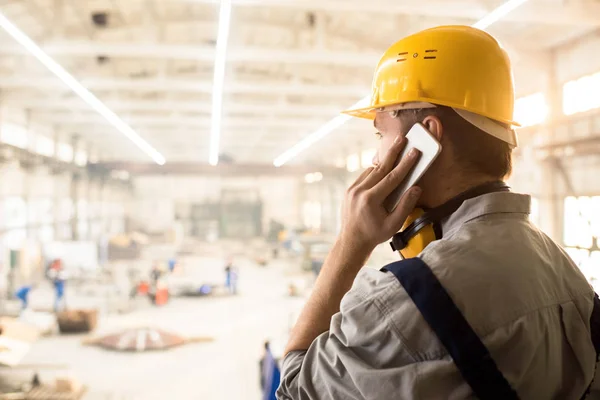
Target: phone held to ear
420, 138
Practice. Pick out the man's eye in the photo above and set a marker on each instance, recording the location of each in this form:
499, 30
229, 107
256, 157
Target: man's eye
379, 135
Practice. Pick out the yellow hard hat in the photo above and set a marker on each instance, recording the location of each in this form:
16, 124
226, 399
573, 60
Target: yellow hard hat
456, 66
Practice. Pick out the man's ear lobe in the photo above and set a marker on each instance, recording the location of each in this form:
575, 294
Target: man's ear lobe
434, 126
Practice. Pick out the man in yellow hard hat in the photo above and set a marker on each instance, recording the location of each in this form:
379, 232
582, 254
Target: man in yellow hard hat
483, 303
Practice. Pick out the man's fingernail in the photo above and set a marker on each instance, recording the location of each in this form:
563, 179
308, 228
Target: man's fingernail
397, 139
413, 152
416, 192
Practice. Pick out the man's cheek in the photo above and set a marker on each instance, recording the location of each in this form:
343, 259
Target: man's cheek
384, 147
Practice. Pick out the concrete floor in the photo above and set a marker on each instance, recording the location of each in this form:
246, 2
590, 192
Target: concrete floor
224, 369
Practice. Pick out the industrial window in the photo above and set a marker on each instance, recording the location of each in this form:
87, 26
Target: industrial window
44, 146
15, 212
82, 219
353, 163
41, 218
311, 215
95, 217
14, 135
366, 157
581, 233
313, 177
81, 158
581, 94
14, 221
531, 110
117, 218
64, 152
66, 212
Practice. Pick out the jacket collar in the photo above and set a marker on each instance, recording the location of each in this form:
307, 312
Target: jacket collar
487, 204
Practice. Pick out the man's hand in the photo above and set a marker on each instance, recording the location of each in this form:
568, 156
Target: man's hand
365, 221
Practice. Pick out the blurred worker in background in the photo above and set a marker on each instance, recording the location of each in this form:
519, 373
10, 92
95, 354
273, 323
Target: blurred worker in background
484, 304
270, 374
231, 276
273, 236
157, 290
261, 365
155, 273
58, 276
23, 295
172, 264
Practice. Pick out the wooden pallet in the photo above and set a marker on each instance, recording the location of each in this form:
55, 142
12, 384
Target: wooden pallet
76, 321
49, 393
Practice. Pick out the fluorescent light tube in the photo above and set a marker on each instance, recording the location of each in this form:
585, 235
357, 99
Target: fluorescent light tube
318, 134
498, 13
79, 89
218, 80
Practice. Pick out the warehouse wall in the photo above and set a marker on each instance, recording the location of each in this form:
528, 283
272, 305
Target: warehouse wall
37, 208
102, 206
530, 80
577, 176
579, 57
81, 207
157, 196
329, 194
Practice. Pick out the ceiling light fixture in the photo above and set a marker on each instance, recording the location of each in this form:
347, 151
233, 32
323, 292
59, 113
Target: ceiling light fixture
218, 80
498, 13
338, 121
79, 89
318, 134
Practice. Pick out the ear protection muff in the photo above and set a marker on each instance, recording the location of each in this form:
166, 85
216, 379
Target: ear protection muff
416, 234
424, 226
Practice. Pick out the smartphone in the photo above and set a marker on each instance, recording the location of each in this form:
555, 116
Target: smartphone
418, 137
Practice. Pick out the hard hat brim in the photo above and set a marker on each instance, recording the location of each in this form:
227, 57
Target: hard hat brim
365, 113
370, 112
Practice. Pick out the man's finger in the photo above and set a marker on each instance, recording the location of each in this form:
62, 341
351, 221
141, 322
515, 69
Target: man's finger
392, 180
361, 177
387, 164
407, 204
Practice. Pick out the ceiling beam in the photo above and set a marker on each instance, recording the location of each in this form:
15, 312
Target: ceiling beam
204, 53
569, 13
201, 52
70, 119
185, 86
571, 148
157, 132
223, 169
36, 103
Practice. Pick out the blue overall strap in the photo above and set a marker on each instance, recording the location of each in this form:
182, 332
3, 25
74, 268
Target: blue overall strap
468, 352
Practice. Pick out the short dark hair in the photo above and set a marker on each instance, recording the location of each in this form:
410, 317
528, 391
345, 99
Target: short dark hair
474, 149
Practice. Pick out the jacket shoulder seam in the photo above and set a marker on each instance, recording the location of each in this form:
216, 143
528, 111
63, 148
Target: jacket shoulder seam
386, 312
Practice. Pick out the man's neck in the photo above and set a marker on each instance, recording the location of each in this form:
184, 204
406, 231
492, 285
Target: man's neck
439, 192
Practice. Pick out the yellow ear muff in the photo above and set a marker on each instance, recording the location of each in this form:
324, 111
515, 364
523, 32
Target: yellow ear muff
421, 239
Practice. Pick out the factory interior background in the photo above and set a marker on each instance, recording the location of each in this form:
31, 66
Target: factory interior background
172, 172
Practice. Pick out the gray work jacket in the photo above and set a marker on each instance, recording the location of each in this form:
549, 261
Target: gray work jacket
519, 291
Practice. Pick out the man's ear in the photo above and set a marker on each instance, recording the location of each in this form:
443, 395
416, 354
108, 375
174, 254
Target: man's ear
434, 125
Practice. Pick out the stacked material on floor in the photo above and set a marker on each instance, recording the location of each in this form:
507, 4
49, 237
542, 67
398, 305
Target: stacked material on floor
63, 389
143, 339
199, 290
126, 246
44, 322
16, 338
